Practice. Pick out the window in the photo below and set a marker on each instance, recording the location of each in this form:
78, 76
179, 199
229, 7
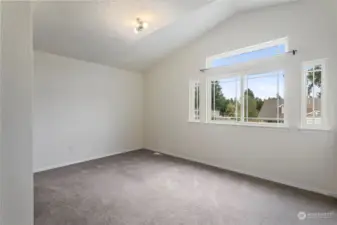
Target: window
247, 99
194, 108
313, 101
261, 51
225, 100
264, 98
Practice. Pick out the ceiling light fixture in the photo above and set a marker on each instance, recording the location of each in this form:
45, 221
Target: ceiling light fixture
141, 25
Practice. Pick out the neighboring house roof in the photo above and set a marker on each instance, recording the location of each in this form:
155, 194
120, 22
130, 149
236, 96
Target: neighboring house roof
310, 104
270, 107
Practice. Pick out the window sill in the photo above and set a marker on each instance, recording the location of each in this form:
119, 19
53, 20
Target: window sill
313, 129
280, 126
193, 121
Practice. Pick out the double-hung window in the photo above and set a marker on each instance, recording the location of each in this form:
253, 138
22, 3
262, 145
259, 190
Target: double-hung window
225, 99
263, 98
247, 99
314, 108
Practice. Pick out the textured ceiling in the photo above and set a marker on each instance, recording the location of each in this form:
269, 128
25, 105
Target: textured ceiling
101, 31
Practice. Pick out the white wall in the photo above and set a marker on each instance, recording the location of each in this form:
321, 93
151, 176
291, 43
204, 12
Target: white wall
83, 111
16, 173
300, 158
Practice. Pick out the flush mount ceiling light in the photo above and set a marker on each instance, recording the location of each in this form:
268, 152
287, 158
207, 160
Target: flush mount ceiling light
141, 25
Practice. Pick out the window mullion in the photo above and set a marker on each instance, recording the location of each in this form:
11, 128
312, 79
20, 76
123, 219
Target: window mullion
246, 97
236, 102
198, 100
313, 97
277, 97
213, 110
242, 98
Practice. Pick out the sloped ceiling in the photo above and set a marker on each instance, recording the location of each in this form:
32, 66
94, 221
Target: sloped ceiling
101, 31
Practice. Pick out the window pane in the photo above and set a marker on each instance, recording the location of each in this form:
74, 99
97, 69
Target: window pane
194, 95
248, 56
264, 98
314, 95
197, 101
226, 99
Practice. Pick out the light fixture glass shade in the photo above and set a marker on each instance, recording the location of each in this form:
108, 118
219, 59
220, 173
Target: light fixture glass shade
145, 25
141, 26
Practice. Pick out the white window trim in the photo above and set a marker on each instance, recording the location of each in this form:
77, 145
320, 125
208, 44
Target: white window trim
191, 110
257, 47
324, 109
242, 76
251, 124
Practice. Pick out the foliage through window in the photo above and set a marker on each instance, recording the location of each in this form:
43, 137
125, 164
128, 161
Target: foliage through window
225, 101
313, 98
264, 98
194, 101
257, 98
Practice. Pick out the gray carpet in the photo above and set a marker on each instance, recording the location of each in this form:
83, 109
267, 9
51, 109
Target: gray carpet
140, 188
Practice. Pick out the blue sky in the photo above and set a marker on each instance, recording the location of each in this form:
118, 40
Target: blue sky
248, 56
263, 85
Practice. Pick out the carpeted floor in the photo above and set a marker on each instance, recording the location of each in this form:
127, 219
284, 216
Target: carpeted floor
140, 188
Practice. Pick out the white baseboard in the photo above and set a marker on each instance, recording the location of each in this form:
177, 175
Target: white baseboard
82, 160
315, 190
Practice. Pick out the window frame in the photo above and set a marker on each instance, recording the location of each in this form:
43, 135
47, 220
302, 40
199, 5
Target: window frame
324, 114
209, 81
192, 99
261, 46
241, 76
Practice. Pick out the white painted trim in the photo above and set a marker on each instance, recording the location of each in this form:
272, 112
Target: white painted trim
208, 100
324, 109
291, 184
246, 124
257, 47
193, 121
242, 97
82, 161
316, 129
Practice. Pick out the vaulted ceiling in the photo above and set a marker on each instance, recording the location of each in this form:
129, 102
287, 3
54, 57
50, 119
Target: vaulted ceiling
101, 31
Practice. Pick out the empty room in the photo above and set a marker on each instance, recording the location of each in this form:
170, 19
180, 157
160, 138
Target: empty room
164, 112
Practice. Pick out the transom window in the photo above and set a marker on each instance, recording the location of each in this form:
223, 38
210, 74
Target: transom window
260, 51
253, 99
